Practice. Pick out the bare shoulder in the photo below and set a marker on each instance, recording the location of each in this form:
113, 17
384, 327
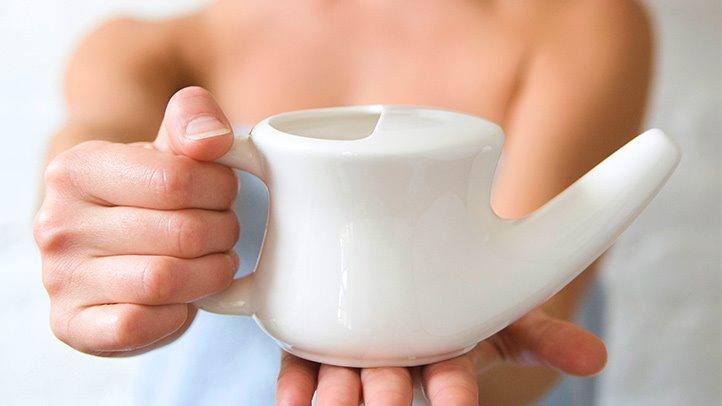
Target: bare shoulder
121, 39
121, 49
610, 31
609, 39
591, 59
124, 71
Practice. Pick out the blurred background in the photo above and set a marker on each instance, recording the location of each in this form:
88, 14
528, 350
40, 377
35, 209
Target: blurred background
662, 280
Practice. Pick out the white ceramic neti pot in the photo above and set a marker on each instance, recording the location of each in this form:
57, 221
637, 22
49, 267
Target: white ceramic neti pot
381, 247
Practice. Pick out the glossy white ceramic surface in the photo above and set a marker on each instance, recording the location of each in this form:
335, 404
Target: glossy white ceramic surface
381, 246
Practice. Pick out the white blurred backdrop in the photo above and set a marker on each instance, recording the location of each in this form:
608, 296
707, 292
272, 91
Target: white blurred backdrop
663, 278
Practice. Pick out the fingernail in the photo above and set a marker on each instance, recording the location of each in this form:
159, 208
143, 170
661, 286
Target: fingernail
201, 128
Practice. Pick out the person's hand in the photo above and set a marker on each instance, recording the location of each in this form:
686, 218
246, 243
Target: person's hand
131, 234
534, 339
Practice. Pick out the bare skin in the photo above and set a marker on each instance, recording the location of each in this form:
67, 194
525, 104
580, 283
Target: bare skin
567, 81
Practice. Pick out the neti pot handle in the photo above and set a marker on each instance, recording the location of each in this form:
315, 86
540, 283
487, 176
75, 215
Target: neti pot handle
236, 299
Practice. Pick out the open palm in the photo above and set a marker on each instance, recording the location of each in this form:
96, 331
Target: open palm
536, 338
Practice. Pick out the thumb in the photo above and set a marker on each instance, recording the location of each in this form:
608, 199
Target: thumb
195, 126
556, 343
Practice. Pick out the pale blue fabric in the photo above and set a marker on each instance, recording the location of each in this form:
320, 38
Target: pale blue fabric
226, 360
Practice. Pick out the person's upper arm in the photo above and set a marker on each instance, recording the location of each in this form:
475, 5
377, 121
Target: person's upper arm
119, 80
583, 96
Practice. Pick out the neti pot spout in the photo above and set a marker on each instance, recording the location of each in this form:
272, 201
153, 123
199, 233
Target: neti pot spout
559, 240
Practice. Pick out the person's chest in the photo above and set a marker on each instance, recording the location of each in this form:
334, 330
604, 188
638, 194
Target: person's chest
474, 66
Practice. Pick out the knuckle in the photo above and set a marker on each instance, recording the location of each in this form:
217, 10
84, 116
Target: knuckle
175, 182
53, 281
58, 170
59, 322
49, 231
158, 283
61, 273
229, 188
223, 277
234, 228
189, 233
125, 328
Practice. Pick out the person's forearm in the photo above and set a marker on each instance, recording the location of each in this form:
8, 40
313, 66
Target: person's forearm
513, 384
